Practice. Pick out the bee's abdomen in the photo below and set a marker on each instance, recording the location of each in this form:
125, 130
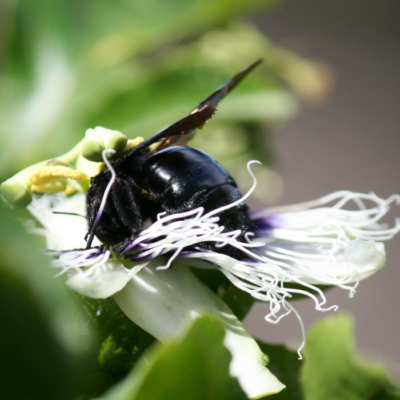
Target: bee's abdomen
182, 178
179, 177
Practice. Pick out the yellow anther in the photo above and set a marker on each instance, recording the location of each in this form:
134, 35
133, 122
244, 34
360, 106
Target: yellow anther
88, 167
55, 187
70, 190
47, 175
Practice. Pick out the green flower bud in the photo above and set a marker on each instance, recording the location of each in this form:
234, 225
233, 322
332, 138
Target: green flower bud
99, 139
92, 150
117, 142
16, 193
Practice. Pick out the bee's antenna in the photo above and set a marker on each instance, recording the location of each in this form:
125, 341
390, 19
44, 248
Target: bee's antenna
92, 231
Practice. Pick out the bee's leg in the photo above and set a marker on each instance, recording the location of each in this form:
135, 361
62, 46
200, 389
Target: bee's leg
93, 200
128, 203
134, 205
121, 216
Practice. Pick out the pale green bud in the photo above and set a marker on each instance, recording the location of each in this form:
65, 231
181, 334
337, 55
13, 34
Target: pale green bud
99, 139
16, 193
92, 150
117, 142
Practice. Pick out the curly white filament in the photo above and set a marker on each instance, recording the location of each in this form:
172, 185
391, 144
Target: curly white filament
243, 198
105, 195
308, 246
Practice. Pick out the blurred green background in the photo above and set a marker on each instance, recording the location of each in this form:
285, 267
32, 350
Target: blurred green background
137, 66
134, 66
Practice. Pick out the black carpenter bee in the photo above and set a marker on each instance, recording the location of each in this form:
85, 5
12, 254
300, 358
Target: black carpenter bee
171, 178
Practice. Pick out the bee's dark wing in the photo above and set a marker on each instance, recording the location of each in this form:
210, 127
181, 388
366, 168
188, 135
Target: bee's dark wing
210, 103
181, 130
183, 127
214, 98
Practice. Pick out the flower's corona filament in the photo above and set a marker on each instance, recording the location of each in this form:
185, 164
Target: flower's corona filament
306, 244
243, 198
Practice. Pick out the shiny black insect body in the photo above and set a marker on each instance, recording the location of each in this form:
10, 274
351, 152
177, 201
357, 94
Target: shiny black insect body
172, 178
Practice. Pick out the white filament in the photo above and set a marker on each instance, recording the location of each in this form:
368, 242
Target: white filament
105, 194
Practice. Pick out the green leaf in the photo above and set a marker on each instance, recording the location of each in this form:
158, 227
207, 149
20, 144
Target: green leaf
194, 367
122, 342
41, 346
239, 301
285, 365
33, 363
332, 371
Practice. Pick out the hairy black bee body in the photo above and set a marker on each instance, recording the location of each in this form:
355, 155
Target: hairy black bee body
171, 179
174, 180
126, 209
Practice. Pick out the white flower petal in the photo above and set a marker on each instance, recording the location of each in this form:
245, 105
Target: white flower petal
62, 231
367, 256
161, 301
101, 285
255, 380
